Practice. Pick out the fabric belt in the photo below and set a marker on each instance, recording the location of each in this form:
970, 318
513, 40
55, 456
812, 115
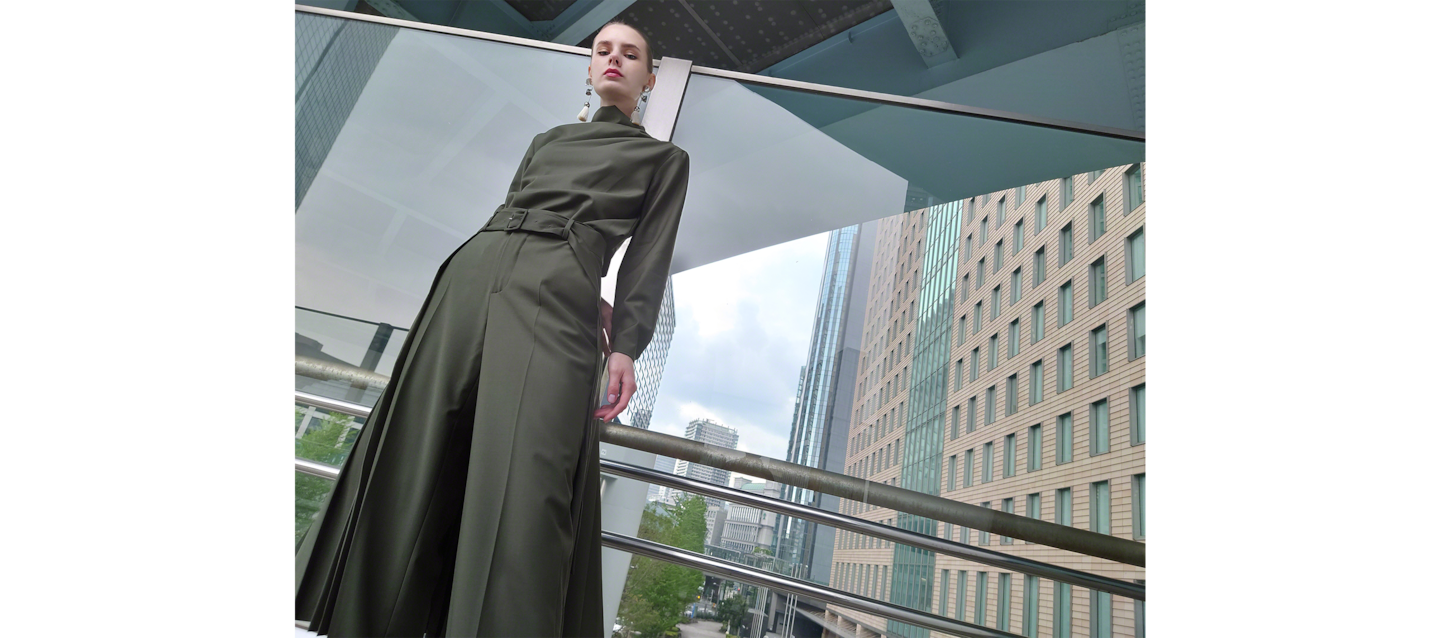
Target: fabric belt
588, 243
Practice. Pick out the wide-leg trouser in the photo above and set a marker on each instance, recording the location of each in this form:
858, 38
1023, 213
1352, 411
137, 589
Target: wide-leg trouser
470, 503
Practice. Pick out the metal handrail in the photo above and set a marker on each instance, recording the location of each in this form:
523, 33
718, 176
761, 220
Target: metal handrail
856, 489
871, 528
794, 585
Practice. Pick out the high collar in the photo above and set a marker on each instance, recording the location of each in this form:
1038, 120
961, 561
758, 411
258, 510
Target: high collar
613, 114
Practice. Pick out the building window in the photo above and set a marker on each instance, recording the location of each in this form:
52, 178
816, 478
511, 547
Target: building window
969, 245
987, 453
1014, 338
1012, 394
970, 420
1137, 414
975, 363
944, 592
1067, 303
1015, 288
1035, 446
1037, 382
969, 470
1098, 292
965, 291
1137, 507
1135, 255
1136, 327
1002, 603
984, 233
1100, 427
995, 302
1019, 196
1064, 437
1007, 505
1097, 218
989, 405
1065, 372
1100, 620
1100, 507
960, 365
1099, 352
1018, 241
1030, 609
994, 351
960, 582
980, 587
951, 484
1037, 322
999, 254
1000, 212
1038, 268
1094, 175
1067, 244
979, 275
1063, 502
1010, 452
1134, 192
1063, 614
1041, 215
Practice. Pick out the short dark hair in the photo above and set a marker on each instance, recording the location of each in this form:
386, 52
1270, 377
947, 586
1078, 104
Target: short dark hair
650, 54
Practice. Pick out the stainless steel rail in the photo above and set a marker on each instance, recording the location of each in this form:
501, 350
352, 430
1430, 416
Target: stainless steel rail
963, 514
902, 536
794, 585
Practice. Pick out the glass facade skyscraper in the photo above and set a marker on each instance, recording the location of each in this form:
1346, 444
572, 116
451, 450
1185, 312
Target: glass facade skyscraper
821, 421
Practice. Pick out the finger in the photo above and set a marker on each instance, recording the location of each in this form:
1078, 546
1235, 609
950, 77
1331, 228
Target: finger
629, 391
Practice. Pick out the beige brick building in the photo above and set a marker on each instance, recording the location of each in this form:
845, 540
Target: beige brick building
1017, 259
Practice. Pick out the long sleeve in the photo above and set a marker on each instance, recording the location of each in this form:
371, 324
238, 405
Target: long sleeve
640, 283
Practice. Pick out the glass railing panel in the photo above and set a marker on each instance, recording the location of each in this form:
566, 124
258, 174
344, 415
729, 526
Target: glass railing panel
310, 494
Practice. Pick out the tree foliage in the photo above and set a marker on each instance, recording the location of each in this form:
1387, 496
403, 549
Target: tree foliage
326, 443
731, 612
657, 593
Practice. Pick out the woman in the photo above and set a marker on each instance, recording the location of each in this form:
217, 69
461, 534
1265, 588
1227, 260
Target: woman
470, 503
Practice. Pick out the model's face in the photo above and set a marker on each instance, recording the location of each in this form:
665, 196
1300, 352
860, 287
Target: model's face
617, 65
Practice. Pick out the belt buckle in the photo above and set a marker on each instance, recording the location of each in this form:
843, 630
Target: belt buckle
516, 219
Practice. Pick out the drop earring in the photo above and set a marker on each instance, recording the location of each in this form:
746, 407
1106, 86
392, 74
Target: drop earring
644, 97
585, 112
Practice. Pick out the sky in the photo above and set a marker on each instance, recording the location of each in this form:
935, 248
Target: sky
742, 333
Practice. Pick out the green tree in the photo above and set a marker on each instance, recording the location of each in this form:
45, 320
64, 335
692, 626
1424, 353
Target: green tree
731, 612
328, 442
656, 592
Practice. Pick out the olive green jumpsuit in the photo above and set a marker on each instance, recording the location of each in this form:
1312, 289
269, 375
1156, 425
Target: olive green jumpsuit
470, 504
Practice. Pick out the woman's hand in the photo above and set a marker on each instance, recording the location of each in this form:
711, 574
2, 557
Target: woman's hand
622, 386
605, 312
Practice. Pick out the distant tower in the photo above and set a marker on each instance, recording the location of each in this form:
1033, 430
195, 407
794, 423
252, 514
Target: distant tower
651, 365
712, 433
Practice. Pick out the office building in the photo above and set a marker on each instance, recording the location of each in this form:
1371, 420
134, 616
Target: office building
709, 432
1004, 366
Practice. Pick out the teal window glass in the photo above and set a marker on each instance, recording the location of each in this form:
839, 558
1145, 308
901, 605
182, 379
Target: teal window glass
1094, 175
995, 302
989, 405
1035, 446
1099, 427
1037, 382
961, 578
1097, 218
999, 254
1002, 603
964, 292
1137, 414
979, 275
969, 245
1063, 612
1018, 241
1014, 339
1038, 268
951, 484
999, 212
1100, 507
1019, 196
960, 334
969, 467
980, 594
1063, 504
970, 417
1135, 255
1064, 437
1098, 293
1012, 394
1100, 615
1137, 507
1067, 191
1067, 244
984, 225
1135, 320
1065, 372
1099, 352
1032, 505
954, 423
985, 466
1008, 506
1042, 215
1067, 303
1010, 452
1030, 609
1134, 190
994, 351
1037, 322
975, 363
944, 592
1015, 287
